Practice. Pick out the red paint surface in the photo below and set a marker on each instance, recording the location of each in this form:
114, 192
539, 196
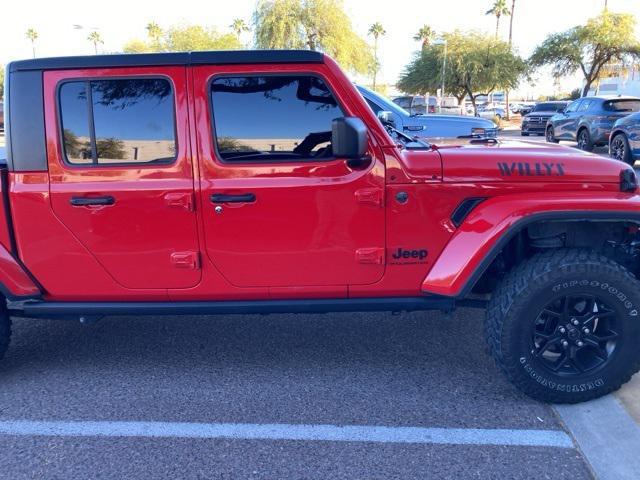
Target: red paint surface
316, 229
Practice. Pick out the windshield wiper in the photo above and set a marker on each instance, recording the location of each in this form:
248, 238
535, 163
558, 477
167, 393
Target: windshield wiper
408, 138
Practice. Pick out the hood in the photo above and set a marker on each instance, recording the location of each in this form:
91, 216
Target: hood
542, 113
521, 161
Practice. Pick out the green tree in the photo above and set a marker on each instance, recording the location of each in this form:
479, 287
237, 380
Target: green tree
1, 83
111, 148
376, 30
315, 25
154, 32
498, 9
95, 38
32, 35
424, 35
238, 26
606, 39
477, 65
185, 38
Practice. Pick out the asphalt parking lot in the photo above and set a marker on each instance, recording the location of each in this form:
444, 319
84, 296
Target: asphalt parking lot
345, 396
408, 370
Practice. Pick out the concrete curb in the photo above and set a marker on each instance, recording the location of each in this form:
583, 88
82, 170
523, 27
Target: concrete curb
608, 437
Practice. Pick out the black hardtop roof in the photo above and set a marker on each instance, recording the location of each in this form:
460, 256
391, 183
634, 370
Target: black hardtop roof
224, 57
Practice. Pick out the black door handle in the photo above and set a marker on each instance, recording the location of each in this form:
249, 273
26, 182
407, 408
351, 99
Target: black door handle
90, 201
241, 198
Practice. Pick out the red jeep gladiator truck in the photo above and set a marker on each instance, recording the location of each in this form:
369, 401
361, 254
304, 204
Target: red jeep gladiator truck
261, 182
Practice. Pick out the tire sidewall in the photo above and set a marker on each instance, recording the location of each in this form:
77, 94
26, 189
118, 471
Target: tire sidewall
600, 280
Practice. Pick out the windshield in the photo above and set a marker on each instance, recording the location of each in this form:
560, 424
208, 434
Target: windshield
549, 107
622, 106
384, 102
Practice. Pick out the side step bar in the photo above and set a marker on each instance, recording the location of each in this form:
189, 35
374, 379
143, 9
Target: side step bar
43, 309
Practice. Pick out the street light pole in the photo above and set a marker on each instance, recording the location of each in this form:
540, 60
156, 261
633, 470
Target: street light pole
442, 41
444, 69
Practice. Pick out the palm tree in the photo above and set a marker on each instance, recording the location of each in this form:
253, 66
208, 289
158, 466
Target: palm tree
424, 35
238, 26
377, 30
154, 32
32, 35
498, 9
513, 9
95, 38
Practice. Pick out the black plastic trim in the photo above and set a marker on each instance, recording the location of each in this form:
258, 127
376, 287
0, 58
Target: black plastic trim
628, 181
66, 309
546, 216
25, 138
464, 209
229, 57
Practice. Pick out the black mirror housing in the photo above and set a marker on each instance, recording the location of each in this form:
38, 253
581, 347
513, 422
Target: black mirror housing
348, 137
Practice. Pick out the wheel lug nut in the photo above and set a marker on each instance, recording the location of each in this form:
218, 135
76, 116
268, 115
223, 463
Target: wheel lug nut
574, 321
565, 344
586, 331
579, 343
563, 330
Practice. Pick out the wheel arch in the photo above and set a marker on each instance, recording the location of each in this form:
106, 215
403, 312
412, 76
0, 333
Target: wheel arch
468, 256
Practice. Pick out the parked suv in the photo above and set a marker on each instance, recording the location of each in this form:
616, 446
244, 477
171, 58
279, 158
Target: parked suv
256, 182
624, 142
589, 120
535, 122
429, 126
1, 116
417, 104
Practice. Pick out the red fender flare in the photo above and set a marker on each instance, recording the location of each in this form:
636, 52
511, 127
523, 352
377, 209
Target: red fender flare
493, 222
15, 283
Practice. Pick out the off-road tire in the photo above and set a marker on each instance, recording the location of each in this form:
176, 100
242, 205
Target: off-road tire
516, 304
5, 328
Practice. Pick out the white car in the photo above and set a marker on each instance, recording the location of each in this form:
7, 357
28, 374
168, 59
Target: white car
492, 112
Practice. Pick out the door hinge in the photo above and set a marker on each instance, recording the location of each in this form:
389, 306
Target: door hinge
370, 196
373, 255
188, 260
180, 200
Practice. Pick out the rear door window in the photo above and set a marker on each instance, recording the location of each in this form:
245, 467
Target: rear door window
273, 118
118, 121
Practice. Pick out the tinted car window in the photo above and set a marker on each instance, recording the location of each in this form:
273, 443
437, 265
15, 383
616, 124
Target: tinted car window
573, 107
584, 106
267, 118
622, 106
131, 121
404, 102
549, 107
376, 108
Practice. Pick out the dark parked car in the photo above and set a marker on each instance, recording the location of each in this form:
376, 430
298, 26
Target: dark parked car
624, 142
535, 122
429, 126
1, 116
417, 104
589, 120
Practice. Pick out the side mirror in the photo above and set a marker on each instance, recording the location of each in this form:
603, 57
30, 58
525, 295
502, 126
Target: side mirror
562, 110
386, 118
348, 138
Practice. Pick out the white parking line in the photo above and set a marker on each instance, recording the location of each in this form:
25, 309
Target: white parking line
332, 433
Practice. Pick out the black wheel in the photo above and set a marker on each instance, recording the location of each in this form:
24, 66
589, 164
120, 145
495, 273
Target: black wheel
5, 328
551, 138
620, 150
563, 326
584, 140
